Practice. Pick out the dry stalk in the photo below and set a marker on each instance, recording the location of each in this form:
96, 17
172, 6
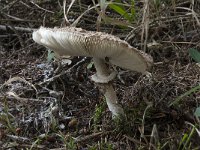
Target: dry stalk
145, 25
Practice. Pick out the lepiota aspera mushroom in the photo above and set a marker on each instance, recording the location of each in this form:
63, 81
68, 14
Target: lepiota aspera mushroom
78, 42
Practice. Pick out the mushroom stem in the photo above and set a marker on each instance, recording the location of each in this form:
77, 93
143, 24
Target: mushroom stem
109, 93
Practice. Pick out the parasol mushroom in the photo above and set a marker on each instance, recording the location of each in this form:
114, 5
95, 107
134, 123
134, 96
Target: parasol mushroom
79, 42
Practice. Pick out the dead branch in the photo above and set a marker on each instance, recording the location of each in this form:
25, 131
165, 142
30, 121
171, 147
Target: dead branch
4, 27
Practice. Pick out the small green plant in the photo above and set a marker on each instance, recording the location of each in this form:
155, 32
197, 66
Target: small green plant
71, 145
121, 124
188, 143
102, 146
195, 54
6, 118
37, 141
54, 123
68, 141
98, 112
185, 141
126, 11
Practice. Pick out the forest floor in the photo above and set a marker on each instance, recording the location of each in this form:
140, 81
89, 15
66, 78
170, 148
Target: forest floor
68, 111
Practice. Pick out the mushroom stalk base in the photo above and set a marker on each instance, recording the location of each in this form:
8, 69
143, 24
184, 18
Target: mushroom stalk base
109, 93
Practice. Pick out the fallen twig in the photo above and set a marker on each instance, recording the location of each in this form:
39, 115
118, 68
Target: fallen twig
22, 20
4, 27
41, 7
87, 137
18, 138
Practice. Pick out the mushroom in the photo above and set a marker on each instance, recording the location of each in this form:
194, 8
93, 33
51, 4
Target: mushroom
79, 42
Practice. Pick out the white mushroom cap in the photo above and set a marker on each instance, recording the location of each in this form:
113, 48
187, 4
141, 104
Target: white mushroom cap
78, 42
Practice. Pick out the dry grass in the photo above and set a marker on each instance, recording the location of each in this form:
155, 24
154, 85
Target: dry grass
68, 112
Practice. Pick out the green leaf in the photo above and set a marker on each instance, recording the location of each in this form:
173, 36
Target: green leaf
103, 5
50, 55
195, 54
120, 10
89, 66
197, 112
120, 2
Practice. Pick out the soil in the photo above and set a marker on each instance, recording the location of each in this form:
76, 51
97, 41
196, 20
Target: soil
45, 105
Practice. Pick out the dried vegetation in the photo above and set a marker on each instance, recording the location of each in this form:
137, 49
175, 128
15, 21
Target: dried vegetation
46, 106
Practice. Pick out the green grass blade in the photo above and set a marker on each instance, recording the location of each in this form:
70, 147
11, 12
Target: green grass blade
176, 101
185, 137
120, 10
189, 138
133, 13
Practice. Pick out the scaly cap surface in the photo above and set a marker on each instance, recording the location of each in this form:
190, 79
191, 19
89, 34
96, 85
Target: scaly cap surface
78, 42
